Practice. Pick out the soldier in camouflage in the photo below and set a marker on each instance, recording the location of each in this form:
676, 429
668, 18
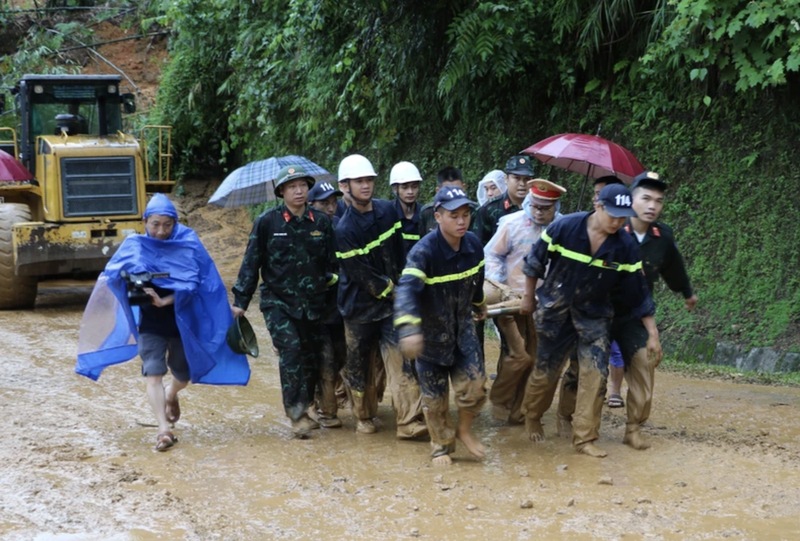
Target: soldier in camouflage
293, 248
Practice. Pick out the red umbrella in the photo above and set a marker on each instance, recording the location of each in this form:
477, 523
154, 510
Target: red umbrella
588, 155
11, 169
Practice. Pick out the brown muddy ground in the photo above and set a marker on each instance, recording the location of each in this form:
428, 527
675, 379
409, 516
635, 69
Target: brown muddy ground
76, 461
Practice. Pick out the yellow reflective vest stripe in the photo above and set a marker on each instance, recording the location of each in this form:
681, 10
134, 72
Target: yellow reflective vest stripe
374, 244
587, 259
447, 277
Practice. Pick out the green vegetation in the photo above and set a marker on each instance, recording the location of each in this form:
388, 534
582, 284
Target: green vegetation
712, 371
703, 91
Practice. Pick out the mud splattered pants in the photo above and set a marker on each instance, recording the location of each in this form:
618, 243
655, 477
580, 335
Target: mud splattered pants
468, 377
401, 377
334, 356
299, 343
558, 340
517, 354
631, 335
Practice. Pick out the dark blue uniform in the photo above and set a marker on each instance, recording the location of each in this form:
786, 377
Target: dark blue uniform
575, 311
411, 227
371, 256
435, 298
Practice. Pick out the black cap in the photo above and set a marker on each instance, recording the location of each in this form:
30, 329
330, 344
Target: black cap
322, 191
519, 165
649, 179
451, 198
617, 201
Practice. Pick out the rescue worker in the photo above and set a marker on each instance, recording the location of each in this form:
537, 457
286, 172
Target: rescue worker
660, 256
447, 176
405, 181
334, 348
585, 255
491, 185
371, 256
293, 248
516, 234
616, 366
518, 173
440, 290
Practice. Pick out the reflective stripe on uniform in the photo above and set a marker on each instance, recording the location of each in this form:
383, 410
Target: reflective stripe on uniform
374, 244
589, 260
447, 277
407, 320
386, 291
409, 236
333, 280
410, 271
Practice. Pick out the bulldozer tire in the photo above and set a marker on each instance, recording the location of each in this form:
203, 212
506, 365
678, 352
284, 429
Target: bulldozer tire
15, 291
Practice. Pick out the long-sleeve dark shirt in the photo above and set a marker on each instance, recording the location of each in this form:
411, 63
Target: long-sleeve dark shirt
411, 227
437, 292
371, 257
579, 284
487, 216
660, 257
295, 256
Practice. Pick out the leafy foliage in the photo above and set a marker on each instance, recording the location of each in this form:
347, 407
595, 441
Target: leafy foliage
748, 44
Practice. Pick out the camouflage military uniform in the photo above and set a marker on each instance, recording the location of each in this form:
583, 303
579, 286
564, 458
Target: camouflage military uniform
296, 260
435, 297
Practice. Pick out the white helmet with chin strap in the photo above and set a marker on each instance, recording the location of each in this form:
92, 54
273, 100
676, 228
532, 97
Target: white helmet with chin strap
355, 166
404, 172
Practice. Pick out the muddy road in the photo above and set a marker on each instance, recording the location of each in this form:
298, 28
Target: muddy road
76, 459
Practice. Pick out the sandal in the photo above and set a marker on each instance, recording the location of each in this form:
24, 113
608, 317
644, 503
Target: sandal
615, 401
165, 440
173, 410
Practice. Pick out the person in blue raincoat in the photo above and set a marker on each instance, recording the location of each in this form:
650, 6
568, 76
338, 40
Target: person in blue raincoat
182, 329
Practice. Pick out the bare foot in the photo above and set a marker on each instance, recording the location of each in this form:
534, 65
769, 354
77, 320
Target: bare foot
592, 450
473, 446
534, 429
635, 440
442, 461
564, 428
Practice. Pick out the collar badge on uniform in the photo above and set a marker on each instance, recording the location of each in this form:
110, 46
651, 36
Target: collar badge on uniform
656, 232
286, 215
506, 203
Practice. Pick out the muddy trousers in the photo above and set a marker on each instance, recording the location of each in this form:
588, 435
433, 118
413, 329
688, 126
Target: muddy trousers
401, 377
468, 376
557, 343
631, 336
517, 354
298, 342
334, 356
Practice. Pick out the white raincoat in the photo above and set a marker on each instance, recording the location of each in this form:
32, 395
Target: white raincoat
516, 233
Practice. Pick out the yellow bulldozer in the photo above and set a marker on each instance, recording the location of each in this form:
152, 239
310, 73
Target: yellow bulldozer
87, 182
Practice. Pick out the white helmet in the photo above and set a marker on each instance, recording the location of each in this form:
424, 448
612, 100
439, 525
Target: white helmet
404, 172
355, 166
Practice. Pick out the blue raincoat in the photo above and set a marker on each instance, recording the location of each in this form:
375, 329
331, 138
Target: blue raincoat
109, 332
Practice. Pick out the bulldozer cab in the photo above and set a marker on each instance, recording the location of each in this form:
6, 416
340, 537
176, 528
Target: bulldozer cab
90, 181
56, 104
